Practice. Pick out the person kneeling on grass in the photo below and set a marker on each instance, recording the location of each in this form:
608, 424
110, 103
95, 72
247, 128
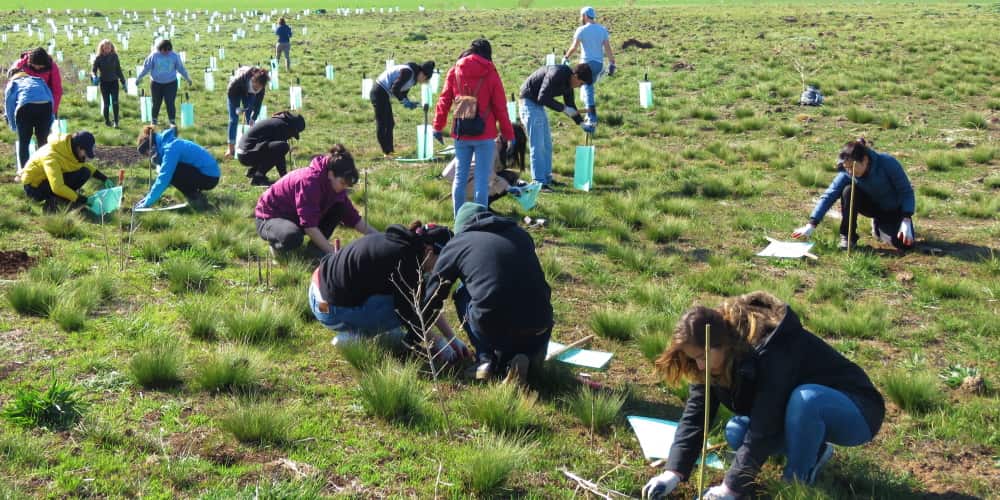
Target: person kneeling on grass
504, 302
179, 163
310, 201
370, 287
792, 394
265, 145
57, 170
884, 193
540, 91
501, 178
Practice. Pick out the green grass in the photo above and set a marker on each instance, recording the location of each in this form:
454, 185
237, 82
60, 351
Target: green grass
363, 355
186, 275
615, 325
266, 323
58, 407
596, 410
230, 368
202, 318
503, 408
158, 363
64, 225
35, 299
490, 461
258, 422
394, 391
913, 392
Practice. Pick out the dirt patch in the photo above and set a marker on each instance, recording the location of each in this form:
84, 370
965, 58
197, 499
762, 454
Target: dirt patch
632, 42
682, 66
12, 262
118, 156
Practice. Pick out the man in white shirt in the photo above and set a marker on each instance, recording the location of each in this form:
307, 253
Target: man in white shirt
593, 41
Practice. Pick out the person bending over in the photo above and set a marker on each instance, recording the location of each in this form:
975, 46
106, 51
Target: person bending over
58, 169
180, 163
395, 82
245, 95
265, 146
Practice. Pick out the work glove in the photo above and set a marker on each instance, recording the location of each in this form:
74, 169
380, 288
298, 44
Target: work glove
94, 80
571, 112
459, 348
611, 69
661, 486
108, 183
438, 137
564, 62
720, 492
588, 127
408, 104
905, 234
804, 232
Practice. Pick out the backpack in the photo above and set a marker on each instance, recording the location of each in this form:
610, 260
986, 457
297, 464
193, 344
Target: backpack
811, 96
467, 121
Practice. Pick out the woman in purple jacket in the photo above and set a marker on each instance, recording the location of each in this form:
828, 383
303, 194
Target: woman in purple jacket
312, 202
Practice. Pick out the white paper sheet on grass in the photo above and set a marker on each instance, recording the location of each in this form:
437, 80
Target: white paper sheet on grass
175, 206
596, 360
786, 249
656, 436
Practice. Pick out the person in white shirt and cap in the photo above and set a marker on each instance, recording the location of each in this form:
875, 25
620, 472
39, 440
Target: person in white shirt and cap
594, 41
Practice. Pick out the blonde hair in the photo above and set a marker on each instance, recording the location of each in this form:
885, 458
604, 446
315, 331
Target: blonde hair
145, 132
106, 44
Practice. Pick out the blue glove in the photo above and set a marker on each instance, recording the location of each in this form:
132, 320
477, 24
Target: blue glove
108, 184
611, 69
95, 80
438, 137
588, 128
408, 104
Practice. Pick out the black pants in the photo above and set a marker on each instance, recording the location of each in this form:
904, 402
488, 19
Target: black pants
109, 93
73, 180
32, 119
164, 92
887, 221
384, 122
189, 181
285, 235
263, 159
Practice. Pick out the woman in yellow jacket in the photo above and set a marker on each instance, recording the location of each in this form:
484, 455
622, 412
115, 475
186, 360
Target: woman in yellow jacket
57, 170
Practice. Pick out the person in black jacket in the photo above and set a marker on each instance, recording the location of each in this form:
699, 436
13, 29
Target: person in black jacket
106, 64
504, 302
245, 95
371, 286
792, 394
395, 81
540, 91
265, 145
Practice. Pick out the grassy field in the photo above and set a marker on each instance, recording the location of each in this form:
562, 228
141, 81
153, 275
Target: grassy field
197, 371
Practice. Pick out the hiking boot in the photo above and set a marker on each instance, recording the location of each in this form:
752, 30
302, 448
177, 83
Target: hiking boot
484, 367
260, 180
518, 371
825, 453
842, 243
547, 189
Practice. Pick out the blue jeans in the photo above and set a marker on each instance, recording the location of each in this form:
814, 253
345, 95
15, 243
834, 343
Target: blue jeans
377, 315
483, 149
507, 343
587, 90
814, 415
247, 102
536, 123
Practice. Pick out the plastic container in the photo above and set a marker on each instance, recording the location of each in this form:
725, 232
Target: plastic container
425, 142
209, 81
329, 72
426, 97
131, 88
295, 97
646, 94
550, 59
274, 84
527, 196
92, 91
389, 63
512, 109
366, 87
187, 112
583, 170
105, 201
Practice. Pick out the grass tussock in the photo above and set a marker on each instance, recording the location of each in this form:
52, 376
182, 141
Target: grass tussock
491, 460
201, 317
158, 363
861, 321
394, 391
186, 275
58, 407
666, 229
258, 422
31, 299
266, 323
503, 408
652, 344
230, 368
913, 392
597, 410
68, 314
62, 225
615, 325
363, 354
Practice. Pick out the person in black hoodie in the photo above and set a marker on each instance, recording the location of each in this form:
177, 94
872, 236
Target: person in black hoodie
370, 286
538, 92
245, 94
110, 69
395, 81
792, 394
265, 145
504, 302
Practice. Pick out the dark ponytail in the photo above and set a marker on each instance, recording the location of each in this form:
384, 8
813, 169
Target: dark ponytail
855, 150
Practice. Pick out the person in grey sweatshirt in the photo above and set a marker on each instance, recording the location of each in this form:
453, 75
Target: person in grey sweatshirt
163, 66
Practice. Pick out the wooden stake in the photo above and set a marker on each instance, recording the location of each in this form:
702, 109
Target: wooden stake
708, 398
851, 218
569, 346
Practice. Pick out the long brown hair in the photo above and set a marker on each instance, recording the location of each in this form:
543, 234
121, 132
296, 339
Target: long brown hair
677, 367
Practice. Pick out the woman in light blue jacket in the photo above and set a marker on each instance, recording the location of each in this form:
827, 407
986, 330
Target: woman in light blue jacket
28, 102
180, 163
163, 66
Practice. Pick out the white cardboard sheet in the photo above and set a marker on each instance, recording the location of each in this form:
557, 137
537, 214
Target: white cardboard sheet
597, 360
656, 436
786, 249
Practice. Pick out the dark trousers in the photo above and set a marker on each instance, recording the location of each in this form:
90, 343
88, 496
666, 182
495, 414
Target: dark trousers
384, 122
109, 93
190, 182
887, 221
531, 342
284, 235
164, 92
32, 119
269, 155
73, 180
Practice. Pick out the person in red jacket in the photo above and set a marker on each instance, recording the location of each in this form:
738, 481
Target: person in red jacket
474, 75
38, 63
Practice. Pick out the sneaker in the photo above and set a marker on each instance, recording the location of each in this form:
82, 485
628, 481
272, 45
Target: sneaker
344, 338
825, 453
484, 367
842, 243
518, 371
260, 180
116, 124
107, 122
547, 189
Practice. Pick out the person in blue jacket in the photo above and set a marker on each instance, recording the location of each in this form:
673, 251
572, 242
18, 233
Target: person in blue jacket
163, 66
284, 45
883, 193
180, 163
28, 102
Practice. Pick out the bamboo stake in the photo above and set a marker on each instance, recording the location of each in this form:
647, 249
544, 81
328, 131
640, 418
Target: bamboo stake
569, 346
708, 398
851, 217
